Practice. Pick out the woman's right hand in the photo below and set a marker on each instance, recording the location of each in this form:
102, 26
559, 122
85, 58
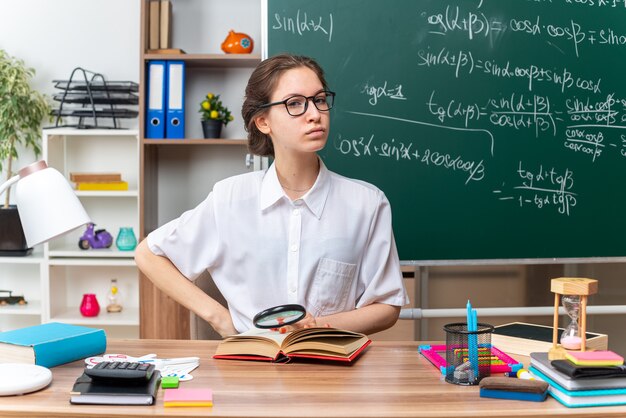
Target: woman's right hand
223, 324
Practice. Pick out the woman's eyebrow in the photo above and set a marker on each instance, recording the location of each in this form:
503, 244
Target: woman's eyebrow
301, 94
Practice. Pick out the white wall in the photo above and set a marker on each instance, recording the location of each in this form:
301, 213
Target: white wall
54, 37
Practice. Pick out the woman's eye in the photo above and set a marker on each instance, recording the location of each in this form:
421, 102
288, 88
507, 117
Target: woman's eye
320, 100
294, 103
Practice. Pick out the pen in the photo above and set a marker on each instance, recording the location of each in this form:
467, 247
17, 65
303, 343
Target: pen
167, 361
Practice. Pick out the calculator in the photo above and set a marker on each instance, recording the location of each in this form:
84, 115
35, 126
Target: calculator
121, 371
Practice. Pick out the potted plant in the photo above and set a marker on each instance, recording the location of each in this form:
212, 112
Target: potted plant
214, 115
22, 111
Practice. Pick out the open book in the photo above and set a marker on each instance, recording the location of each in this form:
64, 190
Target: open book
317, 343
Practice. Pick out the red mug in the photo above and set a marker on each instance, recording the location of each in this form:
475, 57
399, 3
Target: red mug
89, 305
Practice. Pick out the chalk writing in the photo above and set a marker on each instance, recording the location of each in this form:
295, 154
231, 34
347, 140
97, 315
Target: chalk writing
376, 92
302, 24
542, 188
453, 19
407, 151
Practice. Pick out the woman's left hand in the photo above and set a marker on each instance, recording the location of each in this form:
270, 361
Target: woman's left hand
308, 321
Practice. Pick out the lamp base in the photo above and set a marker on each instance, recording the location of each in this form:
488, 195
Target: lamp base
12, 239
16, 253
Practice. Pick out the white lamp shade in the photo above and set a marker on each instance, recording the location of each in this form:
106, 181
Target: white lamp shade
48, 206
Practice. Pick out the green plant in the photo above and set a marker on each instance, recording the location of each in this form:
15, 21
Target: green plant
212, 108
22, 110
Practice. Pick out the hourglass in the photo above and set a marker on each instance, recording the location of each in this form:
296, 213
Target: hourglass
574, 291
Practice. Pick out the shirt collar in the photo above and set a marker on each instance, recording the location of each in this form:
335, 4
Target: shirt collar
315, 199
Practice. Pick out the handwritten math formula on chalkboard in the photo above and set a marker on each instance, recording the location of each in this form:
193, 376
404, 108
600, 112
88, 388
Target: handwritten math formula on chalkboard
496, 128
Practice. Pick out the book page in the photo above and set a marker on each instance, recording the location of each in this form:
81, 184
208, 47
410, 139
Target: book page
262, 334
257, 342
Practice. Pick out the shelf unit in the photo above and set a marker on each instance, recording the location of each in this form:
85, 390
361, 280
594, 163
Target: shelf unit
68, 272
22, 275
177, 174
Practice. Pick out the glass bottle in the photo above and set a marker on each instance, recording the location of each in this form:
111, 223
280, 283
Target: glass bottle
113, 297
571, 339
126, 240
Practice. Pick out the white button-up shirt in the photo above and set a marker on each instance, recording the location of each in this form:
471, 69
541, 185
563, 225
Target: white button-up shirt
331, 251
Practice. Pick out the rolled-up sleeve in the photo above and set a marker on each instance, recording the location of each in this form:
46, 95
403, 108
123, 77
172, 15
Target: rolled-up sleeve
380, 276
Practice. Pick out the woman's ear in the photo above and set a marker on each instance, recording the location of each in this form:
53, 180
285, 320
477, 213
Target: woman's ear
262, 124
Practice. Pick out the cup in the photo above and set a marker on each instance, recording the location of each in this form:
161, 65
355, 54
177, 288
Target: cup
89, 306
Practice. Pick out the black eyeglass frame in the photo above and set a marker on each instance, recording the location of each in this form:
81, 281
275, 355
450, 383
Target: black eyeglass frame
328, 93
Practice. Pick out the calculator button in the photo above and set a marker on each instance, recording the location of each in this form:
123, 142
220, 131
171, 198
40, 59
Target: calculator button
133, 366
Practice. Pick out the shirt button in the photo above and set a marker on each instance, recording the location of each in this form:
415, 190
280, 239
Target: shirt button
294, 247
296, 212
298, 202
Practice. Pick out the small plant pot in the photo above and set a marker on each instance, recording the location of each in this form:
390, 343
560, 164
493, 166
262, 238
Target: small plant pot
212, 128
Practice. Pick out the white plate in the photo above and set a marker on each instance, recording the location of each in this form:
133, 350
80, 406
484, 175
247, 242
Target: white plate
18, 379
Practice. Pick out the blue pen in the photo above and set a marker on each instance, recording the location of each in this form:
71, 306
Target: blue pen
472, 326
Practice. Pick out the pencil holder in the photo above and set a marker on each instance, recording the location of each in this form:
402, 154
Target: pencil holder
468, 353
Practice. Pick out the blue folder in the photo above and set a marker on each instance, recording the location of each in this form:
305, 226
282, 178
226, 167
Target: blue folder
175, 113
155, 100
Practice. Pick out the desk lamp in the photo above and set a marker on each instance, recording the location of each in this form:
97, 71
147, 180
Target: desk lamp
575, 291
48, 207
47, 204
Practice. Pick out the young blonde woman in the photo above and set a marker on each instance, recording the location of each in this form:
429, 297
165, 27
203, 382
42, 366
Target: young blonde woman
295, 233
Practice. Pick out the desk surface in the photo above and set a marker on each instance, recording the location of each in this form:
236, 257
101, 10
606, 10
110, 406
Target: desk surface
390, 380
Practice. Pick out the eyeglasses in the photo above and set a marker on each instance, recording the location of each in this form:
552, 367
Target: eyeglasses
298, 105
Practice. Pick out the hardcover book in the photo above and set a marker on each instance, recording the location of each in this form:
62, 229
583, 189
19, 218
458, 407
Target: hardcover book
113, 392
87, 177
102, 185
51, 344
313, 343
522, 338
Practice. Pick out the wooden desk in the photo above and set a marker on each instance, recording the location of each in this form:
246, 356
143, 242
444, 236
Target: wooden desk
390, 380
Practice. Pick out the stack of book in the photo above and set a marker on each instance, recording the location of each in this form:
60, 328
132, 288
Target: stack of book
98, 181
581, 381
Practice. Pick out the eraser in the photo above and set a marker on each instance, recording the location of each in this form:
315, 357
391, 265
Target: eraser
513, 385
169, 382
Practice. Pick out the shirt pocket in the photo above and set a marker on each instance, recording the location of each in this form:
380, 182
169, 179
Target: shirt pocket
331, 284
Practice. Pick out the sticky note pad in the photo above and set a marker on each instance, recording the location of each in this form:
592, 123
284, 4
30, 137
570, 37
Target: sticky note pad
169, 382
595, 358
188, 397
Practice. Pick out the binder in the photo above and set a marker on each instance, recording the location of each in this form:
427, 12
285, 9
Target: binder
175, 117
155, 113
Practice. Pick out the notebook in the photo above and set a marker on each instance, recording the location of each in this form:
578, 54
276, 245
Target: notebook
88, 391
581, 398
541, 362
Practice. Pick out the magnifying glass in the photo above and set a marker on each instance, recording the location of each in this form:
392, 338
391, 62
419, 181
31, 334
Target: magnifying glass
279, 316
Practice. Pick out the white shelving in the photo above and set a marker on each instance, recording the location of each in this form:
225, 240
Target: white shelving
57, 274
23, 276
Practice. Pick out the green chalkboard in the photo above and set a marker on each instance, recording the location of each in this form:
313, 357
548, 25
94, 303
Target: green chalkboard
496, 128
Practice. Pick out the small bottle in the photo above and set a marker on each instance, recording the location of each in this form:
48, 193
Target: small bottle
113, 298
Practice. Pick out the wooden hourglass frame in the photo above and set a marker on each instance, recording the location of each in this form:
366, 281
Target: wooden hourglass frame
576, 286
